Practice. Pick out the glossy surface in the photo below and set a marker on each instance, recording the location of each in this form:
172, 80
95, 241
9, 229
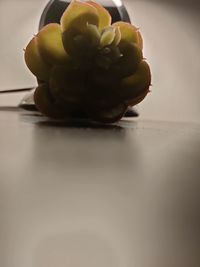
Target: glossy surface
114, 197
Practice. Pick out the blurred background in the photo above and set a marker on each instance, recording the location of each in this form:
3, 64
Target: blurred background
171, 35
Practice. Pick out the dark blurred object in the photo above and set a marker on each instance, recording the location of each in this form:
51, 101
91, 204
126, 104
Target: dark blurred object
55, 8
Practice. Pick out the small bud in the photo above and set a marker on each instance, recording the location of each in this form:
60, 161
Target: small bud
107, 37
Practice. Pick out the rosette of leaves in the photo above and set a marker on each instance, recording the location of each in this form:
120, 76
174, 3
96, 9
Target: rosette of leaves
86, 65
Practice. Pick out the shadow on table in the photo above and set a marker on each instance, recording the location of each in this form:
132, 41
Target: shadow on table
42, 121
79, 124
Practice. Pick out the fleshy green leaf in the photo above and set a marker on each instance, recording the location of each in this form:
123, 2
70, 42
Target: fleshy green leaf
35, 62
78, 15
69, 38
136, 84
115, 54
104, 16
110, 115
140, 40
102, 78
101, 91
66, 86
44, 103
92, 34
107, 36
129, 33
138, 99
117, 38
129, 61
50, 44
103, 62
81, 46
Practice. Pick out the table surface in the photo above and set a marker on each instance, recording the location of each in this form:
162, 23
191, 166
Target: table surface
90, 195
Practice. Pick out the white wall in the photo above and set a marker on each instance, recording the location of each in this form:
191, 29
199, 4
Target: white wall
172, 42
19, 20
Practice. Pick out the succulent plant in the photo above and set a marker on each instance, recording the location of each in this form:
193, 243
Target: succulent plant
86, 65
